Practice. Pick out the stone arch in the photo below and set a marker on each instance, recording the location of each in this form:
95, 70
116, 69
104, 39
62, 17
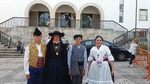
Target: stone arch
34, 19
59, 12
29, 6
90, 15
64, 3
101, 12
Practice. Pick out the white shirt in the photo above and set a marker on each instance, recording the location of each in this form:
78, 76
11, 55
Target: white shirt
133, 48
26, 57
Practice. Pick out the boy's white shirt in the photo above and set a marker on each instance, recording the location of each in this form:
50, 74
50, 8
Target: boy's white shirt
26, 57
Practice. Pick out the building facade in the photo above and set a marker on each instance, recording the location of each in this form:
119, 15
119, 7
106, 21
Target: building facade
83, 13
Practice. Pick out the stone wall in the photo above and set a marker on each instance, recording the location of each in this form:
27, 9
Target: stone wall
26, 34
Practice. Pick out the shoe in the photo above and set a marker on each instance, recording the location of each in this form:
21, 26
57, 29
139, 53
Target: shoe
131, 65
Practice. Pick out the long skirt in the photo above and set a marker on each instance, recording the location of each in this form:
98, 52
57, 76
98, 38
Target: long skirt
99, 74
58, 74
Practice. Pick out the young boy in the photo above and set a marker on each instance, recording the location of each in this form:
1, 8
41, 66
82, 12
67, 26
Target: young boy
77, 60
34, 59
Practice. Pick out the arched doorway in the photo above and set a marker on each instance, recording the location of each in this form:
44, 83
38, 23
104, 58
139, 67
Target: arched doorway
90, 17
60, 16
39, 15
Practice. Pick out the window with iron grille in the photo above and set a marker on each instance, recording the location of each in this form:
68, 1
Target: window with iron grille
143, 15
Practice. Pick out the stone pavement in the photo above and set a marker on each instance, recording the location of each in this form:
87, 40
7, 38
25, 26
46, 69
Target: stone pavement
11, 72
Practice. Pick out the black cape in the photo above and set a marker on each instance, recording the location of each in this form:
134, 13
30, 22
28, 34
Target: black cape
46, 66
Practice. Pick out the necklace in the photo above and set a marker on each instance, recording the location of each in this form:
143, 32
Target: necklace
56, 47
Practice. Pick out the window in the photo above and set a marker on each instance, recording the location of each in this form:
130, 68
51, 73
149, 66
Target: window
89, 43
143, 15
108, 44
87, 21
42, 18
121, 11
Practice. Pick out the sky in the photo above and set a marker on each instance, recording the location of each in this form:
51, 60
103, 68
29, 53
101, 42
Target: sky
12, 8
5, 6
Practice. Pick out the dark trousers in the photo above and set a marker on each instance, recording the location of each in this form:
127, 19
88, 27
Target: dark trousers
78, 78
132, 57
35, 75
19, 48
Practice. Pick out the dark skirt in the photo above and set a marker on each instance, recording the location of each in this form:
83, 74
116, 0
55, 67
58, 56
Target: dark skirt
58, 73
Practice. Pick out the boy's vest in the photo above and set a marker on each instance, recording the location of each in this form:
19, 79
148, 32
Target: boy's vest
33, 55
77, 59
78, 54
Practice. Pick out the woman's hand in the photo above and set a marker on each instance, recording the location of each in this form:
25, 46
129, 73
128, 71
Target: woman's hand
112, 72
89, 64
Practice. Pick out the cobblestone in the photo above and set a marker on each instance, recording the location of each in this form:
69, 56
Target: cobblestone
11, 72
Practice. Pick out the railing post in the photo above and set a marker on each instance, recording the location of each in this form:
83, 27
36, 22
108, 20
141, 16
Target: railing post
52, 23
10, 42
78, 24
0, 36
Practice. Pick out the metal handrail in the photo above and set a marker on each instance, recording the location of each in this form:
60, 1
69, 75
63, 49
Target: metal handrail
121, 26
128, 36
29, 21
5, 39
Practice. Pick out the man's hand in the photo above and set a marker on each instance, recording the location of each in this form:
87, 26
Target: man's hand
69, 72
83, 72
28, 76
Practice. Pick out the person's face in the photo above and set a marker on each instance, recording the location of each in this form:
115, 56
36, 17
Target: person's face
37, 38
78, 40
56, 38
98, 41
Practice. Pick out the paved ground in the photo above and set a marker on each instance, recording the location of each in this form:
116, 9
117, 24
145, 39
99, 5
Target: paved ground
11, 72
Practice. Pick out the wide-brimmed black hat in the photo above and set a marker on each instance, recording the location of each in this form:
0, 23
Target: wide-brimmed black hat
37, 32
56, 33
77, 35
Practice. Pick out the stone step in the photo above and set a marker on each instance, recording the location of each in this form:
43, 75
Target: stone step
11, 56
6, 52
9, 51
1, 45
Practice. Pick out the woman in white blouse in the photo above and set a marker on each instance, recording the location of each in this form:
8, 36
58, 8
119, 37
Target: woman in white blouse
98, 67
133, 51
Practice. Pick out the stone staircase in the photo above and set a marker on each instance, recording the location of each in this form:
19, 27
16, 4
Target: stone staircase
127, 45
6, 52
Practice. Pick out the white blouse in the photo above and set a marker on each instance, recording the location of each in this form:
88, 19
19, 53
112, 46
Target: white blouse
133, 48
100, 54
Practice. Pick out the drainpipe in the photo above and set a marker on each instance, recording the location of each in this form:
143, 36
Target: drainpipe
136, 17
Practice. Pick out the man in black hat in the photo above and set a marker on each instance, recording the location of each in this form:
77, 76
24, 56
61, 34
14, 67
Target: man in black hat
34, 59
77, 60
55, 68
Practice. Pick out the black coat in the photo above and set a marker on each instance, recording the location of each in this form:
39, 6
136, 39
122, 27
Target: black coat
46, 66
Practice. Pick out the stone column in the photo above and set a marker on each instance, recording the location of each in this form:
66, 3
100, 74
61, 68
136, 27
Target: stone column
52, 20
78, 21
